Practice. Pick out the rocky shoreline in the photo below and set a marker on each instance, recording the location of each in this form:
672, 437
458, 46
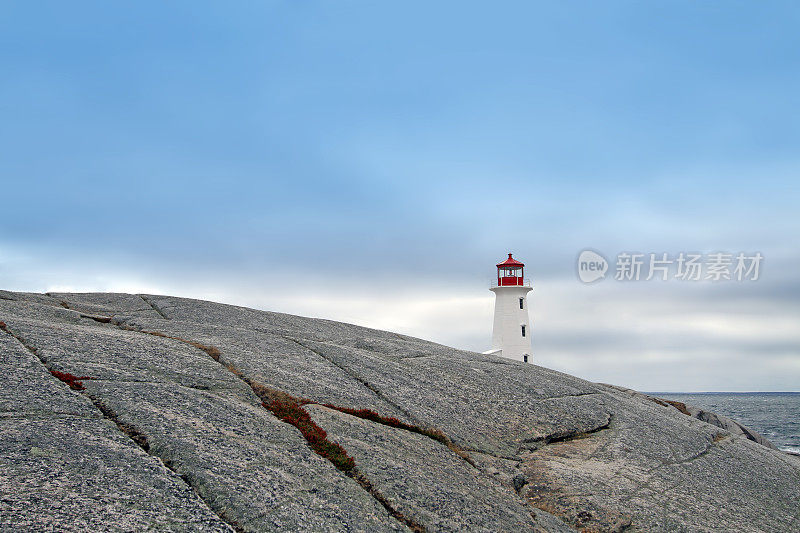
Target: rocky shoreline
129, 412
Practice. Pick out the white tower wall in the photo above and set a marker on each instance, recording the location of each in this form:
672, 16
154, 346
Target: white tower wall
509, 320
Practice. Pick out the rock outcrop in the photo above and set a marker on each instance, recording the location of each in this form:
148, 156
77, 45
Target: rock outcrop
728, 424
135, 412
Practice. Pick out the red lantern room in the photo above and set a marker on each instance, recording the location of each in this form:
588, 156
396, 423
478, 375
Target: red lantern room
510, 272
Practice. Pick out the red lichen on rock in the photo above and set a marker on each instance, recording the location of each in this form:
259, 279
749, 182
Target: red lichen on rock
290, 410
431, 433
74, 382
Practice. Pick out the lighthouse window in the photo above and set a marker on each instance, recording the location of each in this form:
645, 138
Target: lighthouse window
525, 357
520, 302
523, 330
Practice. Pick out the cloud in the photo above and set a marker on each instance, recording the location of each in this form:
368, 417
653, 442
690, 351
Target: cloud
317, 161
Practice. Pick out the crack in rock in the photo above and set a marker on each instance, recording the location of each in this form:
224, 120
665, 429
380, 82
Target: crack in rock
281, 404
564, 436
139, 438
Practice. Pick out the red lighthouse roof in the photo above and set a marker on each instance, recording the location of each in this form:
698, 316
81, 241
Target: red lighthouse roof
510, 262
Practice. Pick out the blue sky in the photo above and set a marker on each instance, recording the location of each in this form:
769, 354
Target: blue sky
371, 162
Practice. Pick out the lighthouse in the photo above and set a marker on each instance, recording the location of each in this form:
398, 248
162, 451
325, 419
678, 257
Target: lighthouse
511, 334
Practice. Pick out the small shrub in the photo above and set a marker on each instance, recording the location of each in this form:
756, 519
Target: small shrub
285, 406
3, 326
336, 455
435, 434
431, 433
372, 416
212, 351
288, 409
233, 370
269, 395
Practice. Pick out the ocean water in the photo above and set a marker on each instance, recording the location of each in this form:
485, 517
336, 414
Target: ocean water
776, 415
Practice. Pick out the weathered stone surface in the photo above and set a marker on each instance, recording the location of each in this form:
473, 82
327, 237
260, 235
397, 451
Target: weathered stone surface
29, 297
208, 426
49, 312
63, 467
105, 352
732, 426
29, 390
576, 454
247, 465
276, 360
423, 478
107, 303
82, 474
662, 470
484, 404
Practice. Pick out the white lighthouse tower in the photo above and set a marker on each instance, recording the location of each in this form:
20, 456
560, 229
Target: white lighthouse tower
511, 335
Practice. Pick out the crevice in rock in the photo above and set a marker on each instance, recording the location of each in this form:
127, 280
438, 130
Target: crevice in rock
576, 395
430, 432
153, 306
380, 498
140, 439
129, 430
211, 351
4, 327
289, 409
565, 436
710, 446
100, 319
367, 414
62, 303
358, 378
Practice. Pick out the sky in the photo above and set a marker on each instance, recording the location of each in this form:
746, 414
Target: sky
370, 162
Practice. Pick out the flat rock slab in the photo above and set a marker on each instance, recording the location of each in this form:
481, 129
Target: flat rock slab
423, 479
106, 352
277, 361
78, 474
29, 390
106, 303
50, 312
64, 467
482, 404
198, 418
247, 465
659, 469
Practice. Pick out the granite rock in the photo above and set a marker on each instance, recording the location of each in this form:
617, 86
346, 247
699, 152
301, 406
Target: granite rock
167, 430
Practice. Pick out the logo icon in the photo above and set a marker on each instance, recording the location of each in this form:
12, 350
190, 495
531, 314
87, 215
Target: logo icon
591, 266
